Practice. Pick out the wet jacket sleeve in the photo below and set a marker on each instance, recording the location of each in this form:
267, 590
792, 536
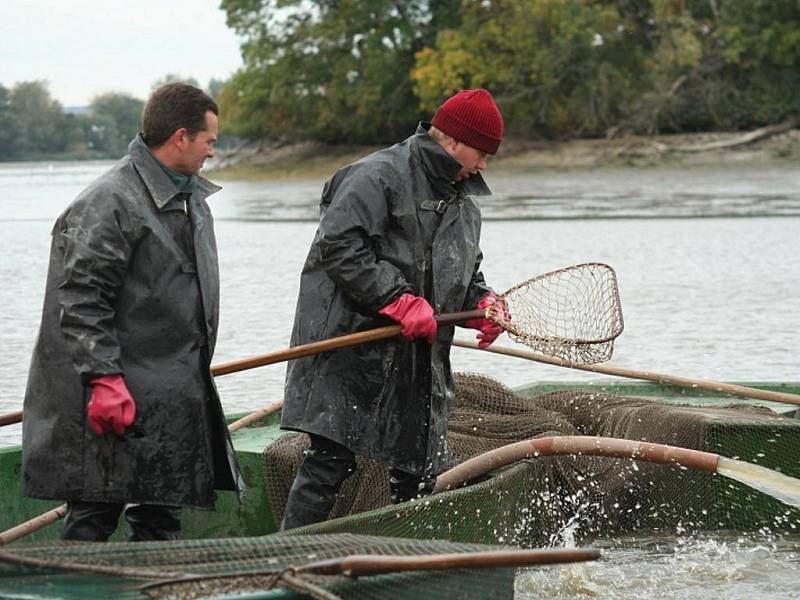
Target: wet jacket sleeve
358, 215
96, 253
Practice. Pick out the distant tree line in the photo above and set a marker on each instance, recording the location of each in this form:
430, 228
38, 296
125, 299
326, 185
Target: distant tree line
34, 126
367, 70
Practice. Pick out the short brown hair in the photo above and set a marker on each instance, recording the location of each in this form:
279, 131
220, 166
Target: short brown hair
439, 135
172, 106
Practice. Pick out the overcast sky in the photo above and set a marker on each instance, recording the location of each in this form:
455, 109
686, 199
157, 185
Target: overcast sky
86, 47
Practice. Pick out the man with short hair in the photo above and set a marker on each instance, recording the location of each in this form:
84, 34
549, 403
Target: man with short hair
398, 241
121, 411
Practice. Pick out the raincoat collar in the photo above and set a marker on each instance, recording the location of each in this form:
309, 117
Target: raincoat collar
442, 168
159, 184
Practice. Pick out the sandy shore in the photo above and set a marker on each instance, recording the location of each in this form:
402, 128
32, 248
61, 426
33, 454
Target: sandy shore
273, 160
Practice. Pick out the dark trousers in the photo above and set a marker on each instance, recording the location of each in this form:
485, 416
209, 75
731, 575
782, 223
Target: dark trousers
96, 521
326, 465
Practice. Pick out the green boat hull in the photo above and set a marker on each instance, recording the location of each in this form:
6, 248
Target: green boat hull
486, 512
256, 517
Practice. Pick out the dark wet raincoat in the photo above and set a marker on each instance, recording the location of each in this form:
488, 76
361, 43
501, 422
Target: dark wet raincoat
391, 223
132, 288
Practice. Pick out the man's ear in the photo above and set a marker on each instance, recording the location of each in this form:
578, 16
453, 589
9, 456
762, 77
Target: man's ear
180, 138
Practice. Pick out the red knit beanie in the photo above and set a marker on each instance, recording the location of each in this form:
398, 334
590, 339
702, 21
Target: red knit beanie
472, 118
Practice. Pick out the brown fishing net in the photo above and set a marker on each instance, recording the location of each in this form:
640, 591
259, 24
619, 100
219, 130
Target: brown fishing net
547, 500
573, 313
486, 415
233, 567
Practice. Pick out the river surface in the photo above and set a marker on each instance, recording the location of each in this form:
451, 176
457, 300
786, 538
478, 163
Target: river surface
708, 266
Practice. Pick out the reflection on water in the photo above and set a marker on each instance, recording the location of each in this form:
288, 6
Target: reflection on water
607, 193
674, 568
653, 193
39, 190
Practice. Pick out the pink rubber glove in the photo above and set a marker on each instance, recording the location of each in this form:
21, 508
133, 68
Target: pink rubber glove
415, 314
111, 407
489, 330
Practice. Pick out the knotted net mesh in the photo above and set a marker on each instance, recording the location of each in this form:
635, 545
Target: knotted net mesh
216, 568
549, 501
573, 313
539, 501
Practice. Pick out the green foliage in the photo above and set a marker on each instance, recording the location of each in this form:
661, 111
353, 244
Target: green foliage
215, 87
9, 127
555, 66
43, 126
760, 33
102, 135
365, 71
34, 126
734, 67
328, 69
359, 70
115, 119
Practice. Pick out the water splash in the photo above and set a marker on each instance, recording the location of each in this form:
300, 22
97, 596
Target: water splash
693, 567
784, 488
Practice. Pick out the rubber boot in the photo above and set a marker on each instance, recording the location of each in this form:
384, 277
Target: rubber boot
325, 467
405, 486
151, 522
91, 521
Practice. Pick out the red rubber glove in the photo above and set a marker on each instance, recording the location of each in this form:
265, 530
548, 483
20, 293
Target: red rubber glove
111, 407
415, 314
489, 330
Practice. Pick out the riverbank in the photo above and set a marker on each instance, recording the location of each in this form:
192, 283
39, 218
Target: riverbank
283, 161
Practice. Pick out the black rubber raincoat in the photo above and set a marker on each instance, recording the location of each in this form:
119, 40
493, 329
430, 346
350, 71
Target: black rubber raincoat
132, 288
391, 223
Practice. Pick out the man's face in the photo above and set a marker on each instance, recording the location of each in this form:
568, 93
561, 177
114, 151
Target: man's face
200, 147
472, 160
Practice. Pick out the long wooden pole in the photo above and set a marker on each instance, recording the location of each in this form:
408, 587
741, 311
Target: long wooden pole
358, 565
34, 524
702, 384
335, 343
343, 341
11, 418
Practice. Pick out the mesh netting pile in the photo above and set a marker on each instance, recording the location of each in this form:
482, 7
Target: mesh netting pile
546, 500
222, 567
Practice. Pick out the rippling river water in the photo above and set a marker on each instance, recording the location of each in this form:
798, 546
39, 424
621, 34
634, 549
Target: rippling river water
707, 263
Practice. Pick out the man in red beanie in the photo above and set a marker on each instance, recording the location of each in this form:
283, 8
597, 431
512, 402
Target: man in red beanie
398, 241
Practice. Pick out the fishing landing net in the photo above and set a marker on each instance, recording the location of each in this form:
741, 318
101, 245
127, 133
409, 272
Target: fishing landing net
229, 567
572, 313
548, 500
